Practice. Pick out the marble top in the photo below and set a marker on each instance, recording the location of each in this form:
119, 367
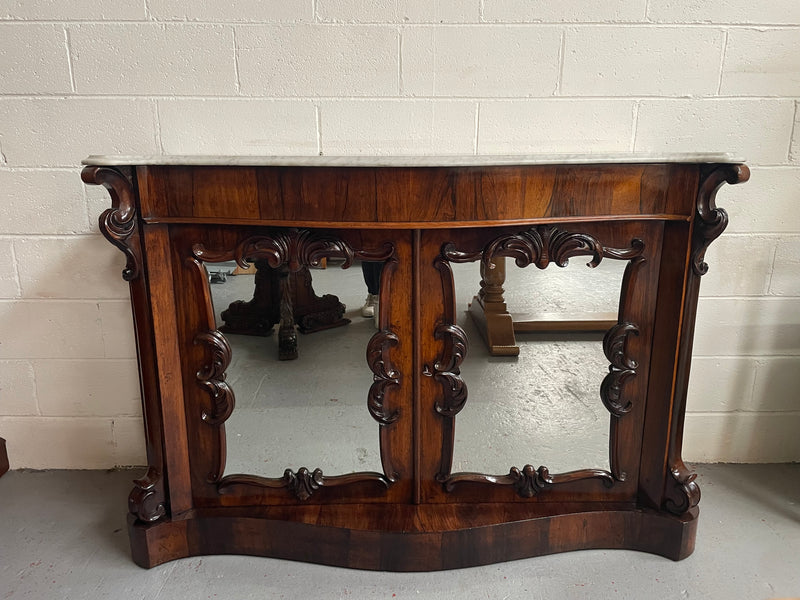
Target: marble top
407, 161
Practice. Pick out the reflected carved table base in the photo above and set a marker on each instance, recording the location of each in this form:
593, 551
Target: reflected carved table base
286, 298
497, 326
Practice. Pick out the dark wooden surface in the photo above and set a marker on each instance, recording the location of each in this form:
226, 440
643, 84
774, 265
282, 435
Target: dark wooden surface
416, 513
3, 457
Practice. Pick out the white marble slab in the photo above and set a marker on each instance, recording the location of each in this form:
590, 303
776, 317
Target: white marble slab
407, 161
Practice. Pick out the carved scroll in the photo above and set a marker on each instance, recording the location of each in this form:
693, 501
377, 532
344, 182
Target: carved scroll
384, 375
528, 482
302, 484
541, 246
712, 221
118, 223
146, 501
212, 377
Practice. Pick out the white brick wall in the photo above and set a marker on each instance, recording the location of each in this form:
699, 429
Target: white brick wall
397, 76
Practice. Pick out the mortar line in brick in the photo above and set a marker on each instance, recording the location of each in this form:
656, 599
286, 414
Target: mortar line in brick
68, 48
157, 125
318, 119
793, 133
17, 279
477, 128
481, 11
710, 413
635, 127
165, 96
400, 84
562, 47
722, 61
148, 16
502, 24
646, 17
772, 270
238, 81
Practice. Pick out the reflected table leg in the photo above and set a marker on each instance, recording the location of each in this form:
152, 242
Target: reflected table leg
497, 326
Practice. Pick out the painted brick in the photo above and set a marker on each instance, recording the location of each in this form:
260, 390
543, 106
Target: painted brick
525, 11
397, 127
17, 388
62, 132
84, 266
724, 11
247, 126
741, 437
786, 273
9, 281
739, 327
485, 61
794, 150
253, 11
58, 443
88, 388
641, 61
777, 384
50, 329
768, 202
157, 59
555, 126
398, 11
117, 330
129, 443
33, 59
758, 130
721, 384
74, 10
762, 63
729, 275
317, 60
42, 202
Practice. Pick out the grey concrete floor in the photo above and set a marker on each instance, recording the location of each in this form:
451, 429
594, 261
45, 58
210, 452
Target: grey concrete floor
62, 535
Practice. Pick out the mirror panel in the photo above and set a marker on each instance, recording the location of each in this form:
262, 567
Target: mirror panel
544, 406
310, 411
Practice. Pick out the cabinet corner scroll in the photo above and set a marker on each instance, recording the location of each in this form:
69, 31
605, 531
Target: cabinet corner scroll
147, 500
711, 221
118, 223
682, 492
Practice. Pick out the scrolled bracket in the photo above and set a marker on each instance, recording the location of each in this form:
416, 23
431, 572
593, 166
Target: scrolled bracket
212, 377
682, 493
711, 221
147, 500
446, 370
622, 367
384, 375
118, 223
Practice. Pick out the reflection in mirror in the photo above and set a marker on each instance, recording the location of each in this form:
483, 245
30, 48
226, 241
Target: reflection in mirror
542, 407
309, 411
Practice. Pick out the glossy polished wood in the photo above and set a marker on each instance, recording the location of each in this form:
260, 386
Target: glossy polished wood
416, 513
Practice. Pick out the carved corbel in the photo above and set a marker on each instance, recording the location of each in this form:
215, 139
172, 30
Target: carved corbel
146, 501
118, 223
711, 221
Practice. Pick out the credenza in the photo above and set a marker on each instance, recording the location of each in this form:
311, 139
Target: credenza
176, 216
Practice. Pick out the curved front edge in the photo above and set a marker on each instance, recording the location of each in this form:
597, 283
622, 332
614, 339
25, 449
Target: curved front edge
658, 533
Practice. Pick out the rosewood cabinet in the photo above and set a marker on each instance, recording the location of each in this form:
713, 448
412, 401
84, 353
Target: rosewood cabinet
423, 218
